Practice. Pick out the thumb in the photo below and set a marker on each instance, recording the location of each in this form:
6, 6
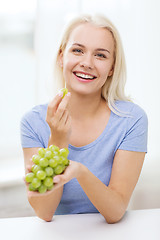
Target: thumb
57, 179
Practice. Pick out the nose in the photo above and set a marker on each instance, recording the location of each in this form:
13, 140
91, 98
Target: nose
87, 61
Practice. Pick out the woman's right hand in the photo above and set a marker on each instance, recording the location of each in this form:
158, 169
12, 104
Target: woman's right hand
59, 120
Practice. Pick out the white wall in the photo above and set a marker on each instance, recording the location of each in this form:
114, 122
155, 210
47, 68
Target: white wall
17, 72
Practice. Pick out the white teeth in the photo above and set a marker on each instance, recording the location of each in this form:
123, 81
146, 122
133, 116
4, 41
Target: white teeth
84, 76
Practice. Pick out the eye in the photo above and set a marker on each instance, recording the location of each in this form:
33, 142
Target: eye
101, 55
77, 50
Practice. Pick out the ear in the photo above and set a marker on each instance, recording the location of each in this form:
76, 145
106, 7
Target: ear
60, 58
110, 73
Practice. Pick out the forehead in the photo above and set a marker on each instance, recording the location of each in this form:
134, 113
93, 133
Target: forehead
88, 34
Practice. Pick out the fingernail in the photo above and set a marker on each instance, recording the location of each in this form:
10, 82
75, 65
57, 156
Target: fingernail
60, 93
56, 179
68, 94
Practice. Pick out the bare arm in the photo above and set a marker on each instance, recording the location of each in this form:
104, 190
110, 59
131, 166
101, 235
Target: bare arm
111, 201
59, 121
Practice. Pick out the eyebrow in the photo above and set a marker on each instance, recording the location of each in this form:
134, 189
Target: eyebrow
98, 49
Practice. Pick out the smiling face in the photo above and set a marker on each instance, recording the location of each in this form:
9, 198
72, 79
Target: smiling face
88, 58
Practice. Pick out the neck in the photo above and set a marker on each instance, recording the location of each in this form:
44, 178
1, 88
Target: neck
83, 107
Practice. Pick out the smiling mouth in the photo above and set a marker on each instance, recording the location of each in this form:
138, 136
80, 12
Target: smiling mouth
84, 76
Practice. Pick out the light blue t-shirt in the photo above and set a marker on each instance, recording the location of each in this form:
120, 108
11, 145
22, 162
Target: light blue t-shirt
127, 133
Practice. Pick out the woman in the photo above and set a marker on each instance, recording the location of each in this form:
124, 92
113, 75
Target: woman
105, 132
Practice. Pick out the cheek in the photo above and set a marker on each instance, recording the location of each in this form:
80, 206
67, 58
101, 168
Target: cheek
68, 66
104, 71
69, 62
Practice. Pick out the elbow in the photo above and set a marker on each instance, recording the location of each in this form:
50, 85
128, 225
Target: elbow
47, 217
114, 219
116, 213
41, 213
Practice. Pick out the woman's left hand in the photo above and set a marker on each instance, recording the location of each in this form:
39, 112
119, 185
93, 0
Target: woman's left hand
74, 170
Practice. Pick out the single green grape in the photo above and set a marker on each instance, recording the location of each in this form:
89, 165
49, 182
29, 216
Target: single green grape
29, 177
55, 153
59, 169
48, 181
31, 188
65, 161
49, 171
41, 152
41, 174
64, 152
35, 168
54, 149
57, 158
36, 182
36, 158
65, 91
42, 188
67, 164
48, 154
53, 163
50, 188
43, 162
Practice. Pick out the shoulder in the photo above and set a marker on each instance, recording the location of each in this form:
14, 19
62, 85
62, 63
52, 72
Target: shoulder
131, 109
135, 125
136, 120
34, 128
135, 116
37, 112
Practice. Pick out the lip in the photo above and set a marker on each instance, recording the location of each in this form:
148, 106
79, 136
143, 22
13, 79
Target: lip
84, 80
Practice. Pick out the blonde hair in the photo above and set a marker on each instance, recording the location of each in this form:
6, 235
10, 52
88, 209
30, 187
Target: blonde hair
113, 89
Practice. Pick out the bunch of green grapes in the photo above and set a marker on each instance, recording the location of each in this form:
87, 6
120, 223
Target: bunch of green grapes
47, 163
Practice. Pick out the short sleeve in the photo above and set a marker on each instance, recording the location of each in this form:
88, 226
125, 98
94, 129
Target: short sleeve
29, 136
136, 135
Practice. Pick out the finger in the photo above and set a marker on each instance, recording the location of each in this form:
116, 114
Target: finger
63, 104
63, 120
33, 194
60, 180
24, 179
53, 105
66, 118
57, 179
68, 122
62, 107
29, 167
26, 183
